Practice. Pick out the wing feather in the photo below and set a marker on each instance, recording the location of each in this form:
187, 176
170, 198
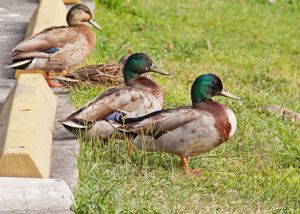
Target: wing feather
130, 101
56, 37
23, 55
162, 121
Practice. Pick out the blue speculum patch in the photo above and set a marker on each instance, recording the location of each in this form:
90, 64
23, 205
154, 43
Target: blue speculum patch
116, 116
51, 50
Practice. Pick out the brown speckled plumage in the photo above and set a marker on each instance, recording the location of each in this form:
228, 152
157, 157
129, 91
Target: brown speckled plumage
69, 44
103, 74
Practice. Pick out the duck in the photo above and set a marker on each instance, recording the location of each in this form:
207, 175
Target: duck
186, 131
57, 48
139, 96
99, 74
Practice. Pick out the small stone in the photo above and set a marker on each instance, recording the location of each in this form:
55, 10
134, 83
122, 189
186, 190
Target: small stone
170, 47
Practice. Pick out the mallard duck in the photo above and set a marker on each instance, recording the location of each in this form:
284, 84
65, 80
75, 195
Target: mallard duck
58, 48
186, 131
138, 97
107, 73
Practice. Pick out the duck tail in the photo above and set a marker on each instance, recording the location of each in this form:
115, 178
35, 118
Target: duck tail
20, 64
76, 126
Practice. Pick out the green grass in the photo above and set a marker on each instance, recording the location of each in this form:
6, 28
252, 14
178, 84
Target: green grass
255, 49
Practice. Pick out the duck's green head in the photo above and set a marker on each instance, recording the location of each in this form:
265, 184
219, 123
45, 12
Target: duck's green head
206, 86
80, 14
137, 64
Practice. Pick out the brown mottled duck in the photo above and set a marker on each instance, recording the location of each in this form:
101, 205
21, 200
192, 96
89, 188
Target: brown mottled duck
57, 48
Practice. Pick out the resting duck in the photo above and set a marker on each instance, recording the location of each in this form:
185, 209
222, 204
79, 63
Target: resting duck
104, 74
138, 97
58, 48
186, 131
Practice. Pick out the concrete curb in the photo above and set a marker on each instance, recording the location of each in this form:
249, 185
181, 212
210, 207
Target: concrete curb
27, 148
32, 195
42, 19
25, 159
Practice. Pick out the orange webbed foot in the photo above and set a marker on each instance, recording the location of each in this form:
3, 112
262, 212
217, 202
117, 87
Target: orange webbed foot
50, 82
186, 169
53, 84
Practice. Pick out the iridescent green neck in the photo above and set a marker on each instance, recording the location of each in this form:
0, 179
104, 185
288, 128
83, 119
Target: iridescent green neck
200, 89
129, 75
131, 70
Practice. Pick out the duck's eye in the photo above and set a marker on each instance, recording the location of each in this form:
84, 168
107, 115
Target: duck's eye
215, 82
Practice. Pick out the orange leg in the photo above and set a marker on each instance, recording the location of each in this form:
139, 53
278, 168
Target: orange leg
185, 167
130, 149
50, 82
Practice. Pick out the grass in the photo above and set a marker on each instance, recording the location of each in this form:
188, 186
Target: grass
254, 48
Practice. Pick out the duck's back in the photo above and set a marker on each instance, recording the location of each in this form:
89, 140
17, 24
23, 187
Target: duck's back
57, 36
68, 45
99, 74
190, 131
129, 100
